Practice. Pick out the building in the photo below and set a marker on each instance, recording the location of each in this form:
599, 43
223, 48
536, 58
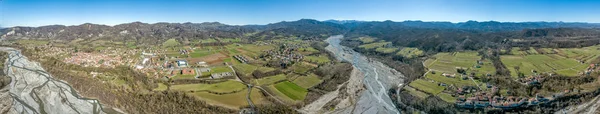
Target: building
187, 71
220, 75
202, 64
181, 63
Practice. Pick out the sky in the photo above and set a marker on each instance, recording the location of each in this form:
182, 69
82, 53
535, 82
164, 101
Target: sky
243, 12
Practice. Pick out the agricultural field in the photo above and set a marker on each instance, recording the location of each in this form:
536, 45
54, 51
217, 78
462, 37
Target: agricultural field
307, 81
447, 97
366, 40
291, 90
415, 92
565, 61
171, 43
320, 59
223, 87
410, 52
188, 76
386, 50
429, 87
33, 42
245, 69
374, 45
270, 80
457, 81
448, 63
232, 100
301, 68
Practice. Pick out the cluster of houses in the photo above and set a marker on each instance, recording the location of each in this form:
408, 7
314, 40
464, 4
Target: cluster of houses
287, 53
94, 59
490, 100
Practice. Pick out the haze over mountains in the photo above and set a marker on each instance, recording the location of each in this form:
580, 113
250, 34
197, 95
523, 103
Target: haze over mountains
406, 33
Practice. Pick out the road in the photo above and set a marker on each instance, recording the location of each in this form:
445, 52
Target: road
35, 91
378, 78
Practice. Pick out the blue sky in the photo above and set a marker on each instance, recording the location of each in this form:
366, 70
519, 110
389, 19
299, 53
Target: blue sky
242, 12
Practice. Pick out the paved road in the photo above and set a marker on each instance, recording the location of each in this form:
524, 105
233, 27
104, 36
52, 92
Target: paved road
378, 78
35, 91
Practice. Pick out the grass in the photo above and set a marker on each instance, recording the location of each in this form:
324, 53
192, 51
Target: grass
171, 43
540, 63
307, 81
245, 69
374, 45
233, 100
447, 97
33, 42
270, 80
386, 50
197, 54
447, 80
410, 52
447, 63
265, 69
210, 40
223, 87
161, 87
189, 76
317, 59
309, 49
426, 86
366, 40
301, 68
291, 90
414, 92
219, 69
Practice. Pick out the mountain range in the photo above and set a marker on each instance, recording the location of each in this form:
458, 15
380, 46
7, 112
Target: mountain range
406, 33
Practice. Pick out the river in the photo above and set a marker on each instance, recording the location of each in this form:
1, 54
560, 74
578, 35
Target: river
378, 78
34, 91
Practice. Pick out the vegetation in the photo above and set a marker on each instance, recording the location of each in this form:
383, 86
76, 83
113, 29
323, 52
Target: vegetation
291, 90
307, 81
428, 87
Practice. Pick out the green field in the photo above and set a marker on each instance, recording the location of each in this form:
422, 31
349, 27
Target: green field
457, 81
448, 62
171, 43
426, 86
245, 69
415, 92
180, 76
410, 52
233, 100
447, 97
223, 87
161, 87
291, 90
33, 42
301, 68
317, 59
307, 81
374, 45
366, 40
540, 63
386, 50
270, 80
197, 54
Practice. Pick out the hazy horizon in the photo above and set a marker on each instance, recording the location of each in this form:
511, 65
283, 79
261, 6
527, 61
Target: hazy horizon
34, 13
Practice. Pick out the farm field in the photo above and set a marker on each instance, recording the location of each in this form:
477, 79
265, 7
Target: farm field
448, 63
386, 50
317, 59
457, 81
415, 92
426, 86
270, 80
232, 100
410, 52
291, 90
161, 87
307, 81
246, 69
223, 87
447, 97
374, 45
301, 68
564, 61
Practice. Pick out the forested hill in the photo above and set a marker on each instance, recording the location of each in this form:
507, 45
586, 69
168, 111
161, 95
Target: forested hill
436, 36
